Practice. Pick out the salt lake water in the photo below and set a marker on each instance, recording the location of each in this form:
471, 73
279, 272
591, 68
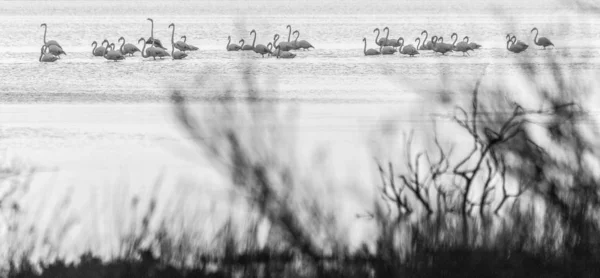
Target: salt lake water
91, 123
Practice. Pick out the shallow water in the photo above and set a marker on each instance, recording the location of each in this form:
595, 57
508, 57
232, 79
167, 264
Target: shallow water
95, 120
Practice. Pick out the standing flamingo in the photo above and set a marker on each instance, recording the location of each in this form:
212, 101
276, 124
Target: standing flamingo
461, 46
381, 41
473, 45
301, 44
439, 45
242, 44
387, 50
232, 46
128, 48
98, 51
189, 46
47, 57
179, 54
179, 44
514, 47
371, 51
51, 42
150, 52
286, 46
427, 45
112, 54
152, 40
52, 46
259, 48
410, 49
542, 41
517, 42
249, 47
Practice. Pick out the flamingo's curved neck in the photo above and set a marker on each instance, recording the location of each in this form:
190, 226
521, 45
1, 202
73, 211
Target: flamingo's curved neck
122, 45
377, 37
173, 41
143, 50
152, 31
455, 39
105, 51
228, 42
95, 44
426, 35
45, 30
254, 41
418, 43
173, 35
243, 42
298, 35
289, 33
387, 35
365, 50
536, 35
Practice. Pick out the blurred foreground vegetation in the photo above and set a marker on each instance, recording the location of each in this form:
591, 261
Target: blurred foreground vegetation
519, 198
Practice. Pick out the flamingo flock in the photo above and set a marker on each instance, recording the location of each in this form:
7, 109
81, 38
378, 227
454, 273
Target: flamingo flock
52, 50
274, 49
388, 46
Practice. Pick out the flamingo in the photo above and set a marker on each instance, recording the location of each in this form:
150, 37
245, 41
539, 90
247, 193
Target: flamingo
232, 46
286, 46
388, 50
270, 47
242, 44
179, 44
51, 42
410, 49
162, 52
150, 52
301, 44
98, 51
47, 57
461, 46
471, 44
542, 41
427, 45
52, 46
275, 38
128, 48
249, 47
151, 39
371, 51
112, 54
381, 41
259, 48
520, 43
284, 54
189, 46
441, 47
515, 47
179, 54
388, 42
